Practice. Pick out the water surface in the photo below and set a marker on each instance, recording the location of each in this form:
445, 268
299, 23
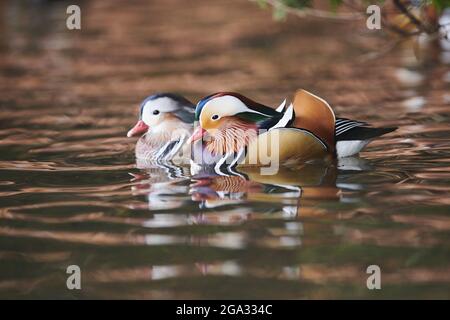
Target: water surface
71, 193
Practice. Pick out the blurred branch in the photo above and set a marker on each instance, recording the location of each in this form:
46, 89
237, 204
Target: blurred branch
405, 18
383, 51
302, 8
385, 23
407, 13
311, 12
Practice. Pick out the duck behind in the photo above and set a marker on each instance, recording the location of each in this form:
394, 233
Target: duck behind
165, 122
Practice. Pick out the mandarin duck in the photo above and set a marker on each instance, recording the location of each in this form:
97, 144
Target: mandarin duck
287, 191
165, 122
162, 192
235, 129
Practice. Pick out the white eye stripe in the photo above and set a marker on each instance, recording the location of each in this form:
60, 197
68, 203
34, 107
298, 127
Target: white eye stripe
287, 117
163, 104
233, 106
152, 109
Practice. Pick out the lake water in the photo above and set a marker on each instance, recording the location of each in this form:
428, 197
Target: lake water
71, 194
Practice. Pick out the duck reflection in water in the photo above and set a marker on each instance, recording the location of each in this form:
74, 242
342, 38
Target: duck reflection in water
290, 195
162, 184
166, 185
283, 191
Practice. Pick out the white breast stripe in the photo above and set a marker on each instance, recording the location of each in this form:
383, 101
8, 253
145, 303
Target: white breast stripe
238, 157
220, 163
235, 173
281, 106
288, 115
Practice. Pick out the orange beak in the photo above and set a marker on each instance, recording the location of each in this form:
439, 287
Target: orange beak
199, 132
139, 128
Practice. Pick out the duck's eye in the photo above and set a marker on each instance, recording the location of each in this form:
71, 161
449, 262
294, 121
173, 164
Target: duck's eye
155, 112
215, 117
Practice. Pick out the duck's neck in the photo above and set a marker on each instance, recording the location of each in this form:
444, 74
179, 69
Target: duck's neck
161, 140
157, 137
231, 137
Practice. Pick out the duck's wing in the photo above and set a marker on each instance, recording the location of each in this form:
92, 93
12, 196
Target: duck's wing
315, 115
154, 148
185, 114
344, 124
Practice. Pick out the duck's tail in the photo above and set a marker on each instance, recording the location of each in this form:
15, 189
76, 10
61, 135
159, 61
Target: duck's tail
350, 140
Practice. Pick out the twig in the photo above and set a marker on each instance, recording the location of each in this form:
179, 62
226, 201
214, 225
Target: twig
374, 55
316, 13
407, 13
385, 23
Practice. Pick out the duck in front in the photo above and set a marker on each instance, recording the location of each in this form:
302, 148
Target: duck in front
239, 131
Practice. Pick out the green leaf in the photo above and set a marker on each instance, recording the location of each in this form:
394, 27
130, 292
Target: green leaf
262, 3
279, 13
299, 4
335, 3
441, 4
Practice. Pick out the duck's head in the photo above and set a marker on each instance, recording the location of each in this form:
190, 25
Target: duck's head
158, 109
229, 110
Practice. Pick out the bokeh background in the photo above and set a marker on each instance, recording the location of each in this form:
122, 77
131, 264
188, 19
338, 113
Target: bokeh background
68, 97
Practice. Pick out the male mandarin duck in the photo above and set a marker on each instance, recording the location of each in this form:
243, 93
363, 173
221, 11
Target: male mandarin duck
235, 127
165, 122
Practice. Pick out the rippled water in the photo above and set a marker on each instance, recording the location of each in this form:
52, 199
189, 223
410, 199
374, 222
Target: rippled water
71, 193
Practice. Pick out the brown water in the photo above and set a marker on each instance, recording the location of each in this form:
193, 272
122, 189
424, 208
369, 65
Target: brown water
67, 197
